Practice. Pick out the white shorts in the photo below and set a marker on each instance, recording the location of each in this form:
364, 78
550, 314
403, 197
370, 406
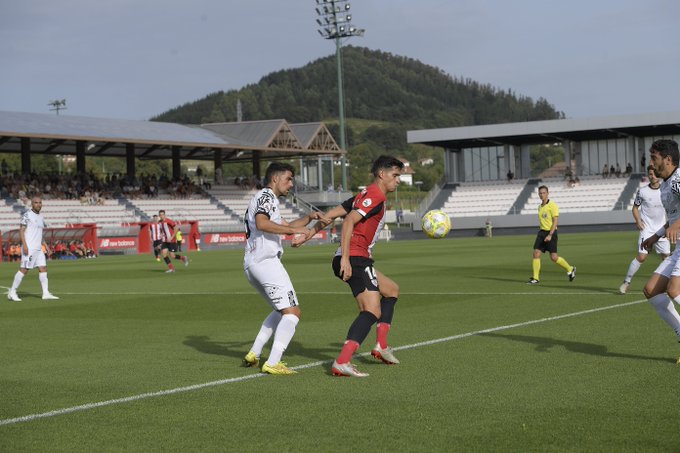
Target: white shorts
271, 280
670, 267
36, 258
662, 246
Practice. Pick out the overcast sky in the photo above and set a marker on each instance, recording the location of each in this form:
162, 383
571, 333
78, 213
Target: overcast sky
134, 59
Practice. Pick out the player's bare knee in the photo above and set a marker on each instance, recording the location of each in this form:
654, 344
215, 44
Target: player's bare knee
391, 291
292, 311
377, 313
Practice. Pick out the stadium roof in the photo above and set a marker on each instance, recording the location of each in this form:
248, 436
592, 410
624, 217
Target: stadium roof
539, 132
315, 136
58, 134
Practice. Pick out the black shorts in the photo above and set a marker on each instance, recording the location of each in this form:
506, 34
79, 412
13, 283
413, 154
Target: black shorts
543, 246
364, 277
157, 245
171, 246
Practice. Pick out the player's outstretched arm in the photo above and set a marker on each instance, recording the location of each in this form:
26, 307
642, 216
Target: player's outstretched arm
324, 220
305, 220
266, 225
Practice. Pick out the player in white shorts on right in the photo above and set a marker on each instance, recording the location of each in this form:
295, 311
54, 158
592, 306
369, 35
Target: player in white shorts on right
663, 287
650, 216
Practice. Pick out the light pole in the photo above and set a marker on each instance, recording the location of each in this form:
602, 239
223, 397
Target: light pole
335, 22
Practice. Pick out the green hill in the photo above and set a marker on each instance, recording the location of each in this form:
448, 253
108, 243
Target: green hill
385, 95
378, 86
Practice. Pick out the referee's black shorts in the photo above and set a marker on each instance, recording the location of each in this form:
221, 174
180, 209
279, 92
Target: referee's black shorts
543, 246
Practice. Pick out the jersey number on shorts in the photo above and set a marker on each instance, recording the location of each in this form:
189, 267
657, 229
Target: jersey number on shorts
372, 275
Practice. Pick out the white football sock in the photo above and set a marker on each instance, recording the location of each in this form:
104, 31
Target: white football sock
17, 280
665, 308
632, 269
266, 331
42, 276
284, 333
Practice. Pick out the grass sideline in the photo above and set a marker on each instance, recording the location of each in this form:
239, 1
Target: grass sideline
557, 367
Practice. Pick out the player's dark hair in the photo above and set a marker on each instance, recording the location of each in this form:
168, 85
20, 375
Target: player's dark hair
277, 167
543, 187
666, 147
385, 162
162, 210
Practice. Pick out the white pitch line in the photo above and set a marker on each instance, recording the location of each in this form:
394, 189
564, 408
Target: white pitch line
402, 293
129, 399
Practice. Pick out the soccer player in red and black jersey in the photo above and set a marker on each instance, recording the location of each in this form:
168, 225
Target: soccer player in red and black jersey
169, 247
375, 293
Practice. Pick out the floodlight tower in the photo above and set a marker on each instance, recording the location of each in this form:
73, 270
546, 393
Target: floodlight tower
335, 22
57, 104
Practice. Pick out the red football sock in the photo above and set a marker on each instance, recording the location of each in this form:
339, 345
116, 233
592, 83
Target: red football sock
348, 350
382, 330
171, 266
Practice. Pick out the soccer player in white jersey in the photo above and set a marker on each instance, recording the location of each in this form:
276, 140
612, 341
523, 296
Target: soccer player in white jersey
32, 255
663, 287
264, 270
649, 216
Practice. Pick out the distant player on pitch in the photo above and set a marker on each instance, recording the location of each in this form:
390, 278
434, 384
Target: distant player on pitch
156, 236
649, 216
32, 255
169, 231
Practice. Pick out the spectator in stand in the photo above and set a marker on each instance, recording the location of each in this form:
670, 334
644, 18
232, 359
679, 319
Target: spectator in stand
605, 171
618, 170
15, 255
75, 250
629, 169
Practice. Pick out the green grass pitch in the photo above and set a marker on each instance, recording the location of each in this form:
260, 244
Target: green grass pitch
133, 359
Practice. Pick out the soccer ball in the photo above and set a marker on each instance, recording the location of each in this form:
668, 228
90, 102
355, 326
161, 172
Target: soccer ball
436, 224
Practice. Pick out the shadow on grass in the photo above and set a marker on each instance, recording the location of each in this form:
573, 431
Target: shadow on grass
543, 344
238, 349
553, 285
204, 344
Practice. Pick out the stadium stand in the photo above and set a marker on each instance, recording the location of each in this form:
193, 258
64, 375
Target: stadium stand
592, 193
483, 198
492, 198
204, 209
9, 217
236, 201
62, 213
